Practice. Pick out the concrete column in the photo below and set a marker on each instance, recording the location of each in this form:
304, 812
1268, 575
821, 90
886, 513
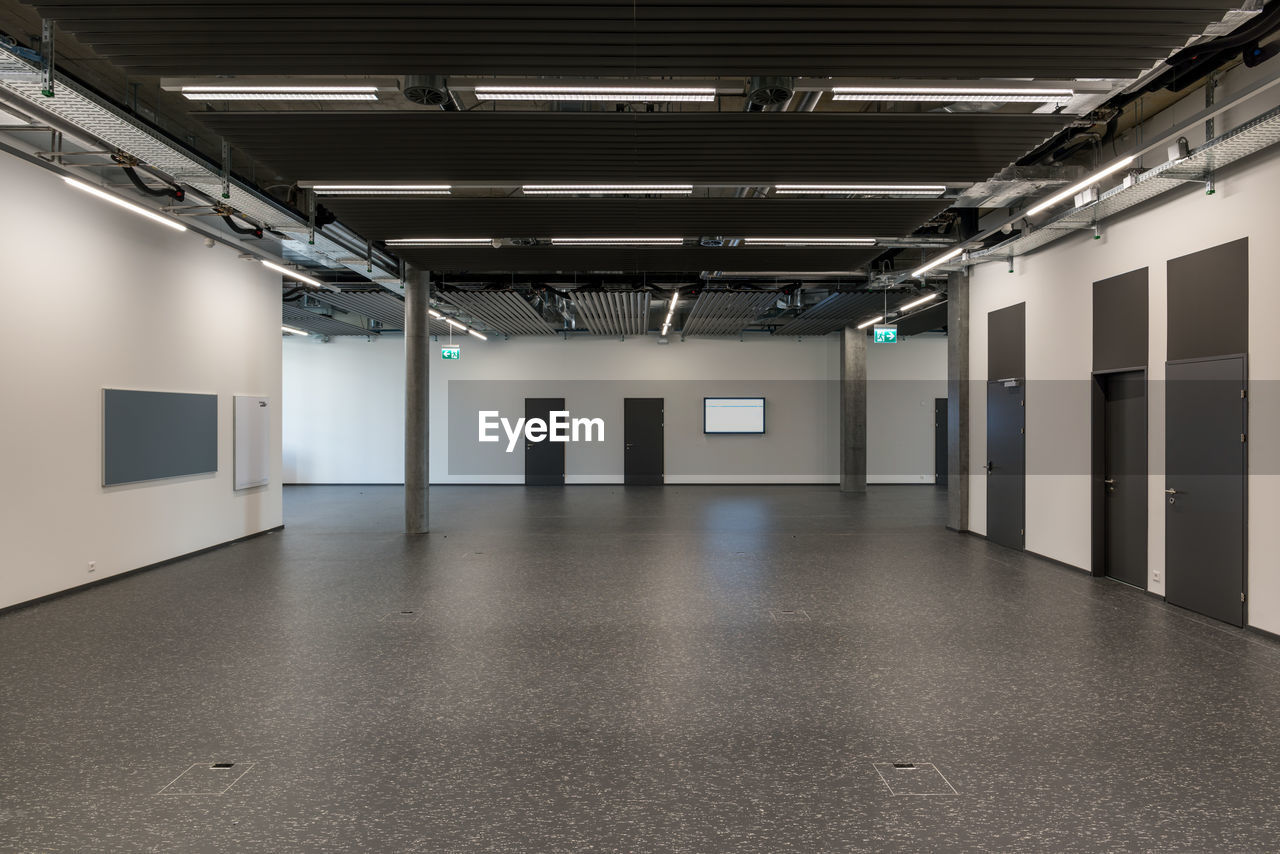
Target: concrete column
958, 402
853, 410
417, 396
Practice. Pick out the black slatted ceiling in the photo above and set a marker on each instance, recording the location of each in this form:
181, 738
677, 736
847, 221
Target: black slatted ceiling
384, 218
1010, 38
728, 148
624, 259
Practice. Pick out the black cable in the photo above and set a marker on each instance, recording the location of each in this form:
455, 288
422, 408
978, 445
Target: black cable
175, 193
239, 229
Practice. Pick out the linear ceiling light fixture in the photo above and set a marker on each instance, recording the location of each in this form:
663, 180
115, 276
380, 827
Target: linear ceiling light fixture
1083, 185
280, 93
939, 261
129, 206
382, 189
595, 93
871, 322
293, 331
606, 189
927, 190
410, 242
292, 274
671, 312
617, 241
919, 302
987, 95
477, 334
809, 241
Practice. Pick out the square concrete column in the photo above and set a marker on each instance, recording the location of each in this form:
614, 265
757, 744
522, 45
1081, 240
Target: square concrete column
958, 402
417, 398
853, 410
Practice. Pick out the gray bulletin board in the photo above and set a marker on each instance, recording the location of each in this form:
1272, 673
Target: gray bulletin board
154, 434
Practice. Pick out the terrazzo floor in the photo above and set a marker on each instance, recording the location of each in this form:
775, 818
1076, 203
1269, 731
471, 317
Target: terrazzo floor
647, 670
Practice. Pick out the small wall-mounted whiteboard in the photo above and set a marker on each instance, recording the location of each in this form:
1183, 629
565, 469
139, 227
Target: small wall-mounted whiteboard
253, 441
733, 415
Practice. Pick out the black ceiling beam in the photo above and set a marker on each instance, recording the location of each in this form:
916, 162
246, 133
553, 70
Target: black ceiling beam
624, 259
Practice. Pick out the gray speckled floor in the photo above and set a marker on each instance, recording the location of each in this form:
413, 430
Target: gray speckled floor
597, 670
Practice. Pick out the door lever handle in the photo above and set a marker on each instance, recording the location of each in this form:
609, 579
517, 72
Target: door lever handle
1171, 492
989, 466
1109, 481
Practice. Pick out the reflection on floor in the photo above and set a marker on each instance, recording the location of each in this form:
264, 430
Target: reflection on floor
600, 669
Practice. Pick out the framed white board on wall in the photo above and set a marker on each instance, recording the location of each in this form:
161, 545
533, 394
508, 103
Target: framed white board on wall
733, 415
252, 441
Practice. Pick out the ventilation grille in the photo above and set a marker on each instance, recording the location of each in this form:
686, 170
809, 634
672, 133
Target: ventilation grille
613, 313
507, 311
726, 312
836, 312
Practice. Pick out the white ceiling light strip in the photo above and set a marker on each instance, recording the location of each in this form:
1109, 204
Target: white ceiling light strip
617, 241
280, 93
129, 206
671, 312
1083, 185
927, 190
456, 325
382, 189
872, 322
809, 241
595, 93
606, 189
410, 242
293, 331
939, 261
919, 302
987, 95
292, 274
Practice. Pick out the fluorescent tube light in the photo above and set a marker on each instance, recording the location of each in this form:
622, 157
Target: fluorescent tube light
130, 206
671, 312
280, 93
617, 241
872, 322
595, 93
441, 241
606, 189
809, 241
940, 260
455, 324
928, 190
1083, 185
382, 189
916, 303
292, 274
944, 93
435, 314
477, 334
293, 331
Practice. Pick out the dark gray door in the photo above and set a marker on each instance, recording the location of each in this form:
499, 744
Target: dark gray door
940, 441
543, 461
1206, 487
1006, 462
643, 452
1124, 470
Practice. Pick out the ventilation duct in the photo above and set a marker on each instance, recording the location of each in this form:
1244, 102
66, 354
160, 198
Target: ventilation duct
430, 90
770, 91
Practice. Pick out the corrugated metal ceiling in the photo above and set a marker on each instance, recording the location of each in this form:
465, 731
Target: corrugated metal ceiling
623, 259
319, 324
835, 312
725, 312
612, 313
507, 311
998, 38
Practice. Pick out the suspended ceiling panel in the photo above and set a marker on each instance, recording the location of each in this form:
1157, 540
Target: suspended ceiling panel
612, 313
507, 311
309, 321
932, 318
378, 305
622, 259
385, 218
714, 148
835, 312
726, 312
1010, 38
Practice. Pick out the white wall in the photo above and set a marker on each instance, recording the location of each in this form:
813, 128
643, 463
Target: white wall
344, 407
1056, 284
96, 298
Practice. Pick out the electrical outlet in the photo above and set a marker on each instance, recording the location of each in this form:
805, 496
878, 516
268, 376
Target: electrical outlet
93, 564
1155, 575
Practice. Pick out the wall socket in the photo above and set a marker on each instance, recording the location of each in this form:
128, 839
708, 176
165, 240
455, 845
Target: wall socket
93, 564
1155, 575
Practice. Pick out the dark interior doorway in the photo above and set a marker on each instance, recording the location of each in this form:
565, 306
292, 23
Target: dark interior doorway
543, 461
1121, 472
940, 442
1006, 462
644, 453
1206, 487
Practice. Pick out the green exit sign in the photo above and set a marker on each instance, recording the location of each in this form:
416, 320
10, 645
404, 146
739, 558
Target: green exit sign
886, 333
450, 352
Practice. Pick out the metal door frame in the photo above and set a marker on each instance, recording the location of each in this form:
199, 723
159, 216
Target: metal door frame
1244, 486
1098, 461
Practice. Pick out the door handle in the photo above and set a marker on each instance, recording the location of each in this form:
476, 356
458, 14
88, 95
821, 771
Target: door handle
1171, 492
989, 466
1110, 481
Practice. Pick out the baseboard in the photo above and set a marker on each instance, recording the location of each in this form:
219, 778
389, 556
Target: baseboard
1271, 636
98, 582
1054, 560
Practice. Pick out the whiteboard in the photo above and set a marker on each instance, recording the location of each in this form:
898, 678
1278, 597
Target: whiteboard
733, 415
253, 441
